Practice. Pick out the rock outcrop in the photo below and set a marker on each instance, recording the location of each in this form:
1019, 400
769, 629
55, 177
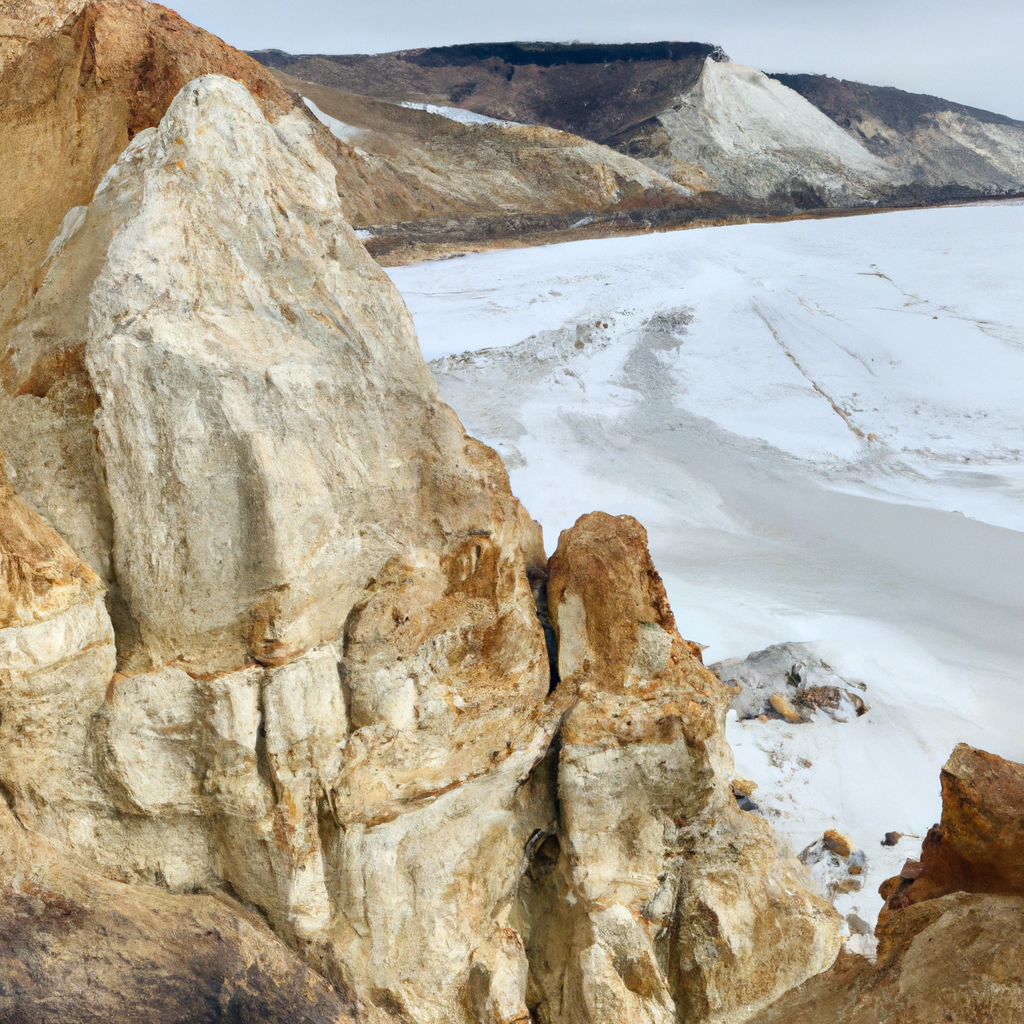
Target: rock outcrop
677, 904
789, 681
77, 82
979, 844
270, 633
951, 939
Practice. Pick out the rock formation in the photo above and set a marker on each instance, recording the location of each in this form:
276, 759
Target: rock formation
270, 632
681, 905
951, 938
77, 82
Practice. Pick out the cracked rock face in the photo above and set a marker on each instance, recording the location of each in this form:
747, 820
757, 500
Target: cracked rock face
269, 631
682, 906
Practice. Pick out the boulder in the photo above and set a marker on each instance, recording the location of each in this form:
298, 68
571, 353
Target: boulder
978, 846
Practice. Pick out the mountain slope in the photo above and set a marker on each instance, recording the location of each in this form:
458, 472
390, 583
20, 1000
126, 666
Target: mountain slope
932, 140
747, 135
724, 131
593, 91
415, 178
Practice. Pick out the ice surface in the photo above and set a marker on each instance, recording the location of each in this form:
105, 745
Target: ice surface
821, 425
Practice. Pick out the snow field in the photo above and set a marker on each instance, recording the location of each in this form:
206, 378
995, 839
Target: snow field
821, 425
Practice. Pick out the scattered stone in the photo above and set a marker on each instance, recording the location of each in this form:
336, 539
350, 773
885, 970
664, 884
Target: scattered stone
837, 843
794, 674
834, 864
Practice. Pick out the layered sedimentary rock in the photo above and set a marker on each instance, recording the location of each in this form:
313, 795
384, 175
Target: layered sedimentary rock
271, 631
951, 938
677, 904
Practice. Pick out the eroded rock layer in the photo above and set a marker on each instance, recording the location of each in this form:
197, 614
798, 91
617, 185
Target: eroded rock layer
951, 937
271, 632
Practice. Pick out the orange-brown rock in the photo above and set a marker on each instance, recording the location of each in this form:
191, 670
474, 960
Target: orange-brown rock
958, 959
72, 95
671, 902
978, 846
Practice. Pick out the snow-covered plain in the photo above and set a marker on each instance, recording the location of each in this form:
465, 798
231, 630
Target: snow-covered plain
821, 425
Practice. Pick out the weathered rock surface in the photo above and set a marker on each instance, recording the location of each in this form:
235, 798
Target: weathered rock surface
955, 959
332, 672
331, 696
676, 905
951, 938
979, 844
23, 21
77, 82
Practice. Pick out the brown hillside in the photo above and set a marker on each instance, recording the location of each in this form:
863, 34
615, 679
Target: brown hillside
73, 97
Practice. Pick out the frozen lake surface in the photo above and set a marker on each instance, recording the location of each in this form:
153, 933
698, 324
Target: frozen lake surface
821, 425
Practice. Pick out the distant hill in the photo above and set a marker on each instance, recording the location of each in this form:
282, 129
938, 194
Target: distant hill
769, 143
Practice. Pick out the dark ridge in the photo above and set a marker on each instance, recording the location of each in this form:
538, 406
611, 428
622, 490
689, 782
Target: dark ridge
272, 58
845, 102
548, 55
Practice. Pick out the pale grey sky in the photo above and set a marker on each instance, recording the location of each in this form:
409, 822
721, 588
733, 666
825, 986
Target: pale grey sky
970, 52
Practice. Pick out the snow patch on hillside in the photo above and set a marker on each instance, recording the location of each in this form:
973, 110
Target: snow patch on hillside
345, 132
460, 115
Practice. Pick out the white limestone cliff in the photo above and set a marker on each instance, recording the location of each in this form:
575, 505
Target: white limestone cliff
331, 697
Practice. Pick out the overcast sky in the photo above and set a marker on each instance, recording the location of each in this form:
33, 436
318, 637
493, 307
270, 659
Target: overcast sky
970, 52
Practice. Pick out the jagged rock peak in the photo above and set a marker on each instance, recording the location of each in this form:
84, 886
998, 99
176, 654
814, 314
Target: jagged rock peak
261, 395
670, 881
